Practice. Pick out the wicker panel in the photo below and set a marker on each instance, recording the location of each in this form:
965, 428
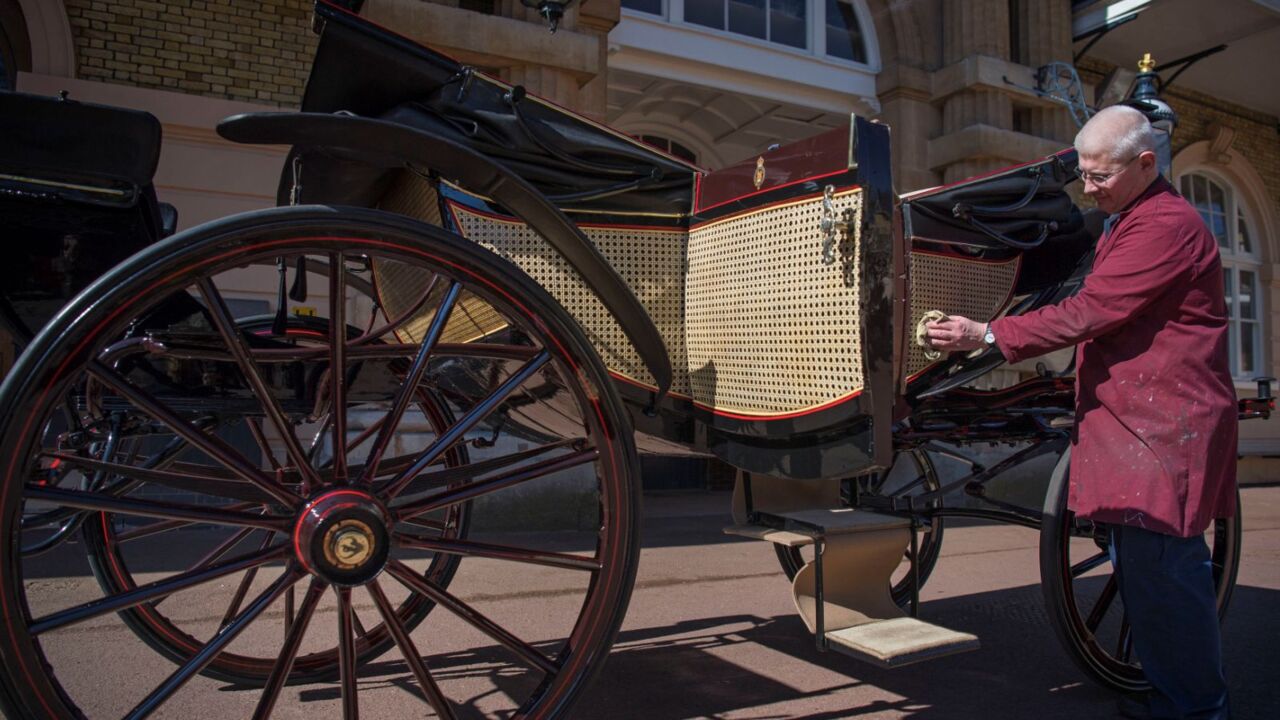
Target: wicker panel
651, 262
972, 288
771, 328
401, 286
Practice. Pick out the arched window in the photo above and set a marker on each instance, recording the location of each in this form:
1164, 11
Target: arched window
844, 32
1229, 222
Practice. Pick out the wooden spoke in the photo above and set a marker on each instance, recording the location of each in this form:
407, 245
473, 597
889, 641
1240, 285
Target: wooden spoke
468, 421
168, 478
152, 508
243, 589
347, 655
399, 320
167, 525
1102, 604
409, 384
231, 336
255, 429
152, 591
526, 652
211, 649
410, 652
470, 491
289, 651
1124, 643
338, 363
1090, 563
211, 445
501, 552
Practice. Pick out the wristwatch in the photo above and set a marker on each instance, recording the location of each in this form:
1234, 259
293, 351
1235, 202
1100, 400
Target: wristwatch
989, 337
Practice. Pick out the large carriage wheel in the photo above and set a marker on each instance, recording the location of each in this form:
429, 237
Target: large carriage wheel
107, 539
1080, 589
913, 473
130, 392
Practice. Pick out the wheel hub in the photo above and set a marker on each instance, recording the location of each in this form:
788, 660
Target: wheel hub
342, 536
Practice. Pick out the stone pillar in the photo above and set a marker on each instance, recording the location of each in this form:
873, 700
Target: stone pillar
906, 107
592, 18
1044, 35
970, 28
567, 68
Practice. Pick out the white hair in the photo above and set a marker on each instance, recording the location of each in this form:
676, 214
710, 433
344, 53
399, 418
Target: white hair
1118, 132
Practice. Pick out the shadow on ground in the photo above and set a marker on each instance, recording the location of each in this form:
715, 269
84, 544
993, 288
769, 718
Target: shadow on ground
681, 672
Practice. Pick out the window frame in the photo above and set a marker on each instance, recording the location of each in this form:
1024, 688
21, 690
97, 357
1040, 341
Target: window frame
672, 11
1234, 264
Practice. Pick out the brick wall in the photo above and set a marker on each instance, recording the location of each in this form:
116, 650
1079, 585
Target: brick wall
1257, 135
254, 50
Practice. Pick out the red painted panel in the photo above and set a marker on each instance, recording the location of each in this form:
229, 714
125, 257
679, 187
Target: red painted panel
818, 156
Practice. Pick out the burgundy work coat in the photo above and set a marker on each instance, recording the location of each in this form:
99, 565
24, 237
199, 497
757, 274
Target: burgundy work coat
1156, 417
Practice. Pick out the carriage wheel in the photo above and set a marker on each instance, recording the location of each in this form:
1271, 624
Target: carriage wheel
112, 561
913, 477
131, 393
1080, 589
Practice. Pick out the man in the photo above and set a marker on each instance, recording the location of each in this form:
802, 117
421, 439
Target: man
1154, 452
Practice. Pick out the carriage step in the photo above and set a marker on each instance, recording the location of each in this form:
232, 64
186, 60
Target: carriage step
899, 641
801, 527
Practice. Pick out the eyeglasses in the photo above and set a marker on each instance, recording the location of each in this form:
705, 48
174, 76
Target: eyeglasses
1104, 178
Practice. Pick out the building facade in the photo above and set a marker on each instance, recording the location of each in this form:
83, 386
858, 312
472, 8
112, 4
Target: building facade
962, 83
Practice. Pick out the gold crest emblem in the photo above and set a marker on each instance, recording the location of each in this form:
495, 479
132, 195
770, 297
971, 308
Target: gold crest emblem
758, 178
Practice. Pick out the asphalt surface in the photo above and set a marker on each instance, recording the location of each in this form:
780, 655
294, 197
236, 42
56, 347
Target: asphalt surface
710, 633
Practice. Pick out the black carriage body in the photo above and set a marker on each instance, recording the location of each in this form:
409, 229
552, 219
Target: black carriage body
77, 198
731, 319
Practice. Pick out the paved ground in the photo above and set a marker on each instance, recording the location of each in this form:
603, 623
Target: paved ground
711, 633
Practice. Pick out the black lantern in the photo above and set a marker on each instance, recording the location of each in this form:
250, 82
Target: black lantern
552, 10
1145, 97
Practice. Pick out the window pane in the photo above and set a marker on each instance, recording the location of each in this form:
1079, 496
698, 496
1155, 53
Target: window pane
844, 35
1248, 295
1202, 193
1184, 184
705, 12
1228, 291
1218, 225
787, 22
649, 6
1244, 242
746, 17
1248, 348
1217, 203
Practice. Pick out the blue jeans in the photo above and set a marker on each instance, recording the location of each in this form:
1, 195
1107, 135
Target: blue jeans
1166, 584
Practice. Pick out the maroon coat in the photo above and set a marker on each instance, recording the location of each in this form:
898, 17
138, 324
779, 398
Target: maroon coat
1156, 414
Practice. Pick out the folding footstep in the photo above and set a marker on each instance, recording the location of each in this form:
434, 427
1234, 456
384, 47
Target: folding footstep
843, 594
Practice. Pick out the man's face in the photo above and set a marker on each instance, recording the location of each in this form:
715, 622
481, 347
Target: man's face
1114, 184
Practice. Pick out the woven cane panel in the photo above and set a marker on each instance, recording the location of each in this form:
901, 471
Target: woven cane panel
971, 288
650, 262
412, 195
401, 286
770, 327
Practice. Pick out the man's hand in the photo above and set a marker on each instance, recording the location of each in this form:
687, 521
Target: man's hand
956, 333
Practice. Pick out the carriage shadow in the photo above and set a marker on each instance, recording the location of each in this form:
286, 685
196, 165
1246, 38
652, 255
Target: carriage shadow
690, 670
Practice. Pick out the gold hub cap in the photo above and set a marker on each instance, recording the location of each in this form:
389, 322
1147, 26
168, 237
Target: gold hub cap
349, 544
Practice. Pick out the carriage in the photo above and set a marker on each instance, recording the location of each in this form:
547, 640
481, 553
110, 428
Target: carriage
514, 302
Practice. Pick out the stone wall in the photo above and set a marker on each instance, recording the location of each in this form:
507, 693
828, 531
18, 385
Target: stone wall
254, 50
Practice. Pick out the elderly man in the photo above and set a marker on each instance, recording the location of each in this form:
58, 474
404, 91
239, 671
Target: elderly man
1154, 453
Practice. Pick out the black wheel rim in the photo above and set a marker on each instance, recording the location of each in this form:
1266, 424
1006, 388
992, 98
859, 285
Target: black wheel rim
1082, 597
279, 518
